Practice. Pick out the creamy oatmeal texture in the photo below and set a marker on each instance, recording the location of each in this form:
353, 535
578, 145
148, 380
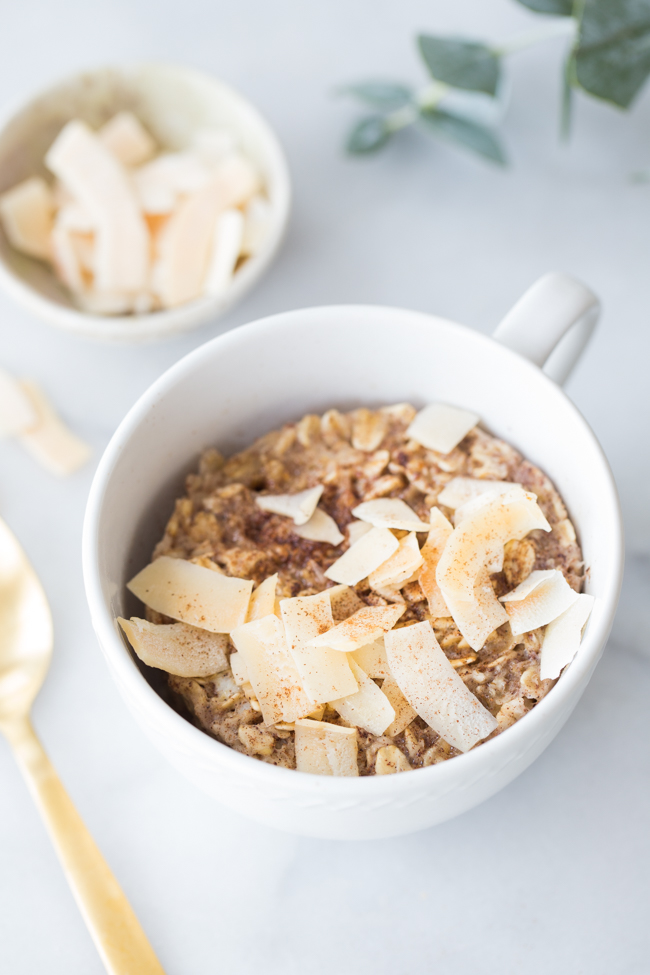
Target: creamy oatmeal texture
358, 457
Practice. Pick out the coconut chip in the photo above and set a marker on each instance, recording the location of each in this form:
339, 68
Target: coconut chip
439, 534
50, 441
390, 513
320, 528
400, 567
434, 689
193, 594
563, 635
325, 674
326, 749
404, 713
263, 599
17, 412
390, 760
363, 557
239, 670
371, 657
541, 598
344, 602
177, 648
27, 211
460, 490
368, 708
441, 427
300, 506
356, 530
271, 670
363, 627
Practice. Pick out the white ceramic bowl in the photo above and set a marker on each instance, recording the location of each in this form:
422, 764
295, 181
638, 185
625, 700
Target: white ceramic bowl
173, 103
251, 380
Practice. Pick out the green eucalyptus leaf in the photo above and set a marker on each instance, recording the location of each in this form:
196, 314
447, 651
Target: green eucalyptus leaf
386, 96
612, 55
464, 132
461, 64
560, 8
368, 135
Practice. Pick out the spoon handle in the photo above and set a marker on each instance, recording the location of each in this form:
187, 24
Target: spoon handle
116, 931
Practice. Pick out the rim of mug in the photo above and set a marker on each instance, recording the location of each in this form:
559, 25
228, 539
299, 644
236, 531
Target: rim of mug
126, 672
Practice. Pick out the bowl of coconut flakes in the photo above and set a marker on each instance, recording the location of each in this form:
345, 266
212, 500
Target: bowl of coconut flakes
137, 203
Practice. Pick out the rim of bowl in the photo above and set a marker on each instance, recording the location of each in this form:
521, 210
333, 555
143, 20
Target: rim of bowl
122, 664
173, 321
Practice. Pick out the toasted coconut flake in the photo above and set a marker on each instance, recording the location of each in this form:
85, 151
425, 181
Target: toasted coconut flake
541, 598
272, 670
100, 183
363, 557
390, 760
390, 513
476, 547
513, 493
563, 636
238, 667
126, 137
372, 658
356, 530
344, 602
300, 506
320, 528
441, 427
363, 627
17, 412
26, 212
368, 708
401, 565
439, 535
177, 648
226, 247
326, 749
325, 674
434, 689
263, 599
49, 441
368, 429
404, 713
193, 594
460, 490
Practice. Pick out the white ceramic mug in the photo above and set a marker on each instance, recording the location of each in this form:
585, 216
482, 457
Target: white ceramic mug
253, 379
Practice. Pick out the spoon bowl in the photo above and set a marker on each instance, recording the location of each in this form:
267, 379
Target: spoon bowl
26, 639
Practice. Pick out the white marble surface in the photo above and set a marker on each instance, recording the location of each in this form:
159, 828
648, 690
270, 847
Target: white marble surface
552, 873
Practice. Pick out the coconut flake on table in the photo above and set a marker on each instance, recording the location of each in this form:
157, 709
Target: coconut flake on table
17, 412
324, 673
400, 567
95, 177
362, 558
541, 598
263, 599
390, 759
300, 506
177, 648
475, 547
439, 533
404, 712
368, 708
432, 686
563, 636
27, 212
321, 527
326, 749
460, 490
271, 670
193, 594
126, 137
361, 628
390, 513
49, 441
371, 657
441, 427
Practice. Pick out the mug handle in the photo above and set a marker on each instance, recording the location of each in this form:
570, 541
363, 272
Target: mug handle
551, 324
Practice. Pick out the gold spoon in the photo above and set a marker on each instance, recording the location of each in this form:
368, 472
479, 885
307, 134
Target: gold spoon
25, 651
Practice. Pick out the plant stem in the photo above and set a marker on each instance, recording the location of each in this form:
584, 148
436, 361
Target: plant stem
563, 28
426, 97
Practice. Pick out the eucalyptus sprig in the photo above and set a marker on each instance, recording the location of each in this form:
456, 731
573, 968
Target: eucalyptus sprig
608, 58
